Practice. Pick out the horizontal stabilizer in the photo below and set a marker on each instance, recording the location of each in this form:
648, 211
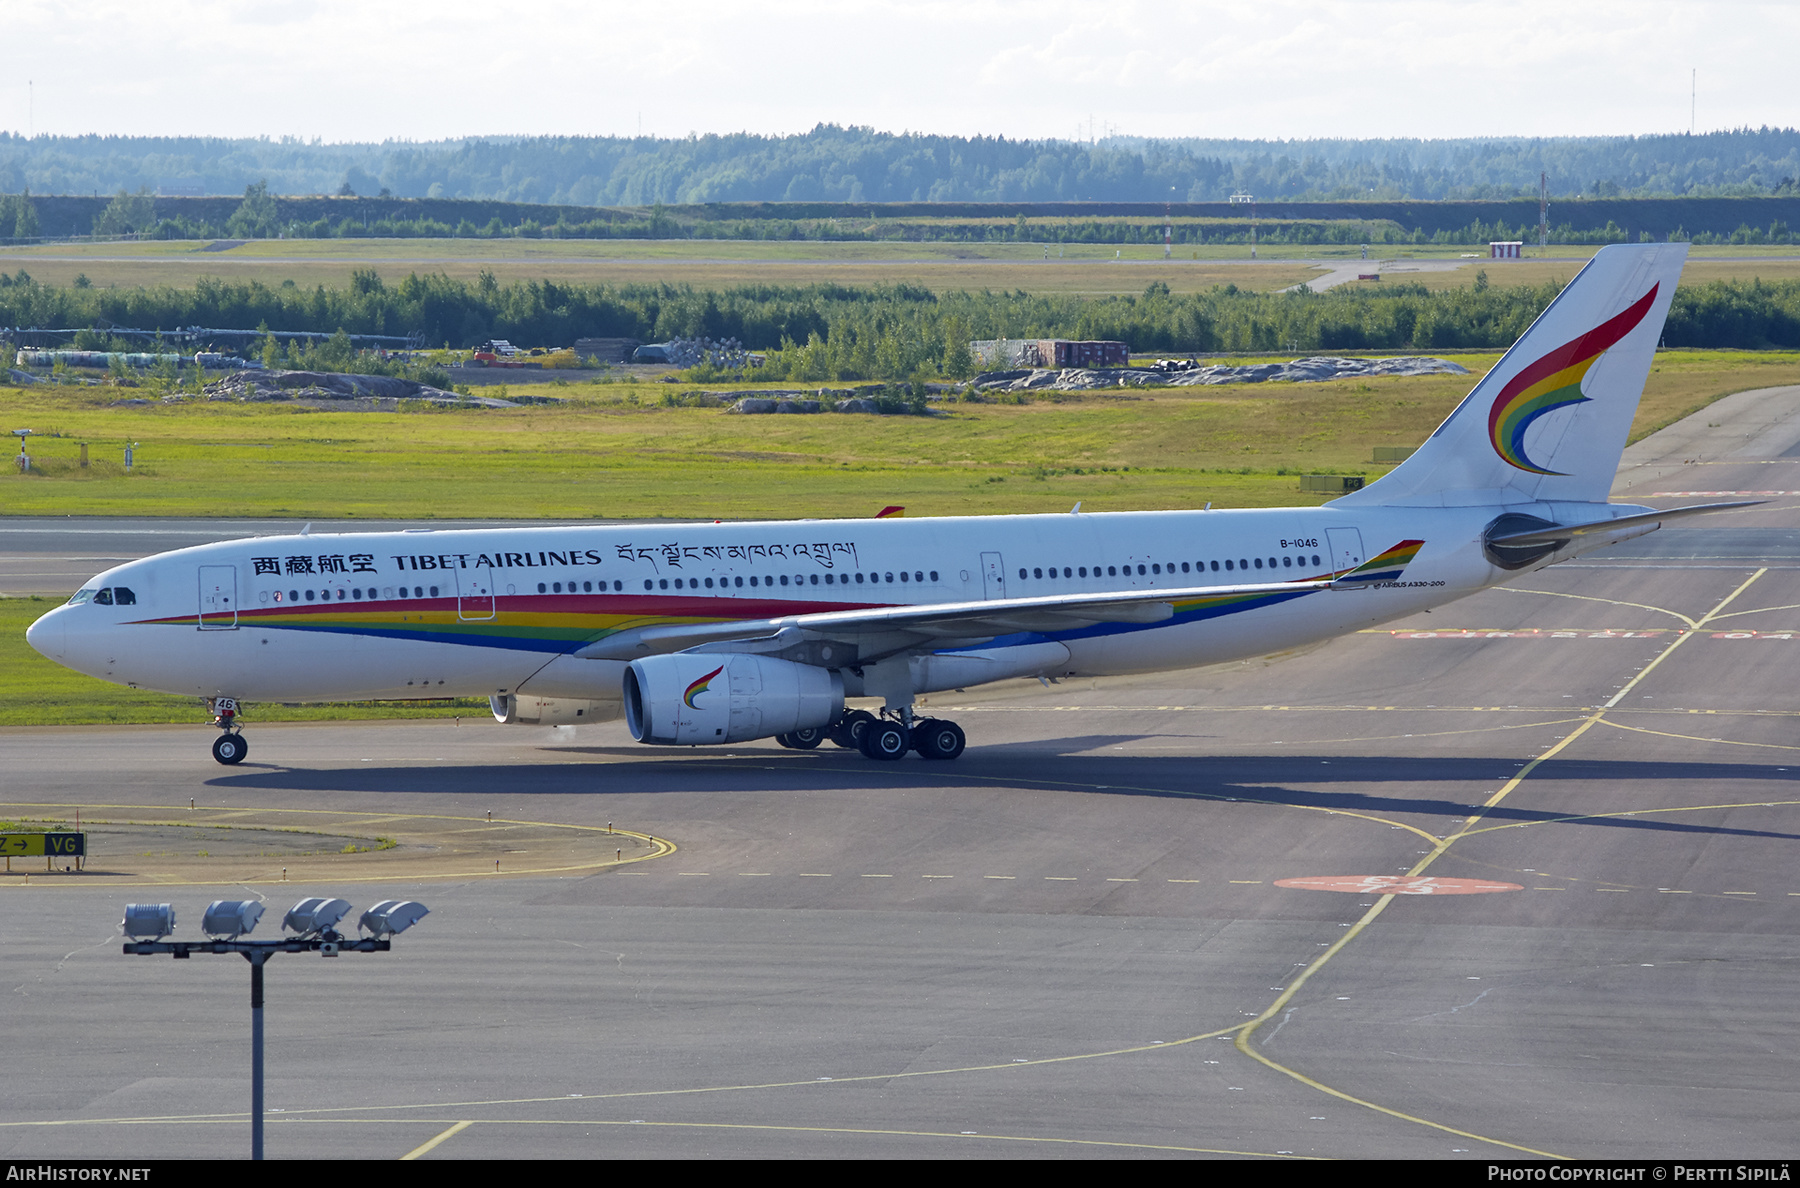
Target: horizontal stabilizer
1558, 533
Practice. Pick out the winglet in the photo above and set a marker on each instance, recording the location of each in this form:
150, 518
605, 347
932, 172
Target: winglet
890, 510
1386, 568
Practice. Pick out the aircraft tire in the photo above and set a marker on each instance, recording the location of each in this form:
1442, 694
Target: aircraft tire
936, 738
782, 740
847, 732
805, 740
230, 749
887, 741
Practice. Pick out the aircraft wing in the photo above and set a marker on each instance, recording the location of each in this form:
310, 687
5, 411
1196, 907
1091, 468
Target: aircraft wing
886, 630
938, 621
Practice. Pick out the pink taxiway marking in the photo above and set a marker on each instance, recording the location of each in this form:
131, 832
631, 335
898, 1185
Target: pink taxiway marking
1395, 885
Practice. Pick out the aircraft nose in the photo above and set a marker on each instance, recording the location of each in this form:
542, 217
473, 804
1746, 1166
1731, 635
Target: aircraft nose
49, 635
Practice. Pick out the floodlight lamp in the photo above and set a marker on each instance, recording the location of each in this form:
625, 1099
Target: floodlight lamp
148, 921
315, 915
391, 917
228, 919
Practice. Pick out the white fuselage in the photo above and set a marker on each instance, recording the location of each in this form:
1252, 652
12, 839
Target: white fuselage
427, 614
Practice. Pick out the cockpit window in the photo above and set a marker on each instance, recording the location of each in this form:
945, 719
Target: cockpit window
104, 598
81, 596
123, 596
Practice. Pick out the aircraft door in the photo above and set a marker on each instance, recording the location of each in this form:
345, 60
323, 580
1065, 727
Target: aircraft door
993, 576
218, 598
475, 593
1346, 548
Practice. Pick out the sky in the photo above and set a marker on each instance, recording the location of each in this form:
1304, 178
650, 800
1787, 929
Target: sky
355, 71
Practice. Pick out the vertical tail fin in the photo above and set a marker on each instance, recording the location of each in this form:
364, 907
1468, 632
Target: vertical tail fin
1550, 420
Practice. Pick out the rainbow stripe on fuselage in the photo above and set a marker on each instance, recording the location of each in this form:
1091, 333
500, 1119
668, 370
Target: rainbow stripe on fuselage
1554, 382
550, 623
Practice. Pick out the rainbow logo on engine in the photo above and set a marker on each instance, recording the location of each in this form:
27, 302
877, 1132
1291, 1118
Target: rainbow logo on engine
700, 686
1553, 382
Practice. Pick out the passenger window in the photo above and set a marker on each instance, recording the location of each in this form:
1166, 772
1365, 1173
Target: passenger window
934, 576
1184, 568
309, 596
1215, 566
1084, 571
815, 579
902, 575
1034, 573
1023, 574
1227, 564
104, 598
1140, 571
663, 583
388, 591
1316, 560
1287, 562
1259, 562
859, 579
541, 588
784, 580
434, 591
648, 584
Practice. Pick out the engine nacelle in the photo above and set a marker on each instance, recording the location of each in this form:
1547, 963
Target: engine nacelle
694, 698
526, 710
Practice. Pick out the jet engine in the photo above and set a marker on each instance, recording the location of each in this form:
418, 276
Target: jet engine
514, 710
696, 698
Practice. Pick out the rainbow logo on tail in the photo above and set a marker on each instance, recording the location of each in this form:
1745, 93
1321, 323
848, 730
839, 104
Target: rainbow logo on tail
700, 686
1553, 382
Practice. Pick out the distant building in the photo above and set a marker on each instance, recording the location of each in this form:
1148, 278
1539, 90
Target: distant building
1049, 353
1506, 249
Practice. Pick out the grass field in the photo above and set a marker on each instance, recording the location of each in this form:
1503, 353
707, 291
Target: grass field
1088, 269
614, 450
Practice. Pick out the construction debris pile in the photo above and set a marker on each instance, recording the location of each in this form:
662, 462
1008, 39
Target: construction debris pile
1313, 369
260, 386
720, 352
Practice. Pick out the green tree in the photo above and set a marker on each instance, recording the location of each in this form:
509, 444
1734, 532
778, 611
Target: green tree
127, 213
257, 217
25, 220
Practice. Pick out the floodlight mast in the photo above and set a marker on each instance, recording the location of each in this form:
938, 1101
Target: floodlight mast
313, 917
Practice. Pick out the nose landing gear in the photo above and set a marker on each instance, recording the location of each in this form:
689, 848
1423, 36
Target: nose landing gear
229, 748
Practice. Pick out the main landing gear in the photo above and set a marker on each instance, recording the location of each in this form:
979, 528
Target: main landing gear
229, 748
892, 735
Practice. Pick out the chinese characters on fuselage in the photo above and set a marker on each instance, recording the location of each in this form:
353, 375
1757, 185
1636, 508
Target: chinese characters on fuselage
824, 554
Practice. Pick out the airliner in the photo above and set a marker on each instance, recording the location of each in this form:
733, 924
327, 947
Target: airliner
702, 634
